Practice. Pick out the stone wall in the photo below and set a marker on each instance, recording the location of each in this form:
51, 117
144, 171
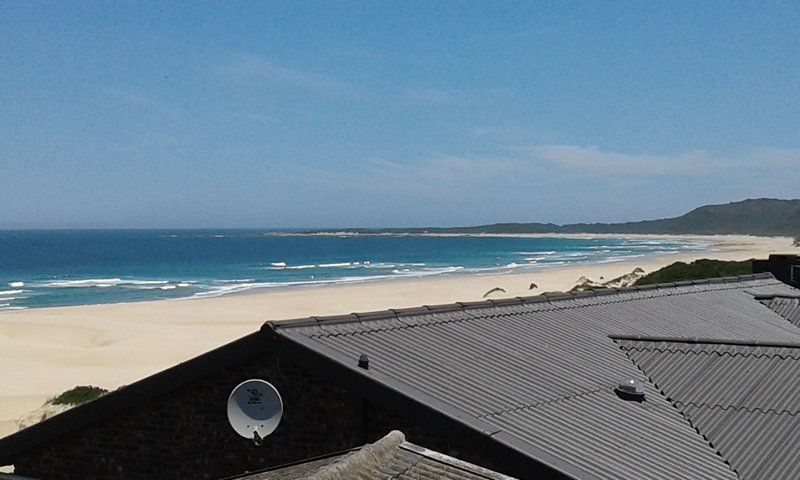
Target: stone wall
185, 433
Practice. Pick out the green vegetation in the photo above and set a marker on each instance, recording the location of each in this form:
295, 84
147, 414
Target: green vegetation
762, 216
696, 270
78, 395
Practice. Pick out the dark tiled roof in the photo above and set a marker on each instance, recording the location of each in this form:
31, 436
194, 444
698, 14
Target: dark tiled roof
744, 399
389, 458
538, 373
787, 307
295, 472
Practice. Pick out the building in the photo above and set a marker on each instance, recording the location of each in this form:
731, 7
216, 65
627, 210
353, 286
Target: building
785, 268
530, 387
391, 457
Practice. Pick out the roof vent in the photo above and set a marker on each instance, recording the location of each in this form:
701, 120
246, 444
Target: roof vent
631, 389
363, 361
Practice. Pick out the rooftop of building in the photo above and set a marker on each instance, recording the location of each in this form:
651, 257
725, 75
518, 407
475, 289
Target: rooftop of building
391, 457
536, 377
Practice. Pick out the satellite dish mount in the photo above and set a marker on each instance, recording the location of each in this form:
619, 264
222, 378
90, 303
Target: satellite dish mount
255, 409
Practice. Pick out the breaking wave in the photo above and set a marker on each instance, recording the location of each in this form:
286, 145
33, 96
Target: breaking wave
10, 292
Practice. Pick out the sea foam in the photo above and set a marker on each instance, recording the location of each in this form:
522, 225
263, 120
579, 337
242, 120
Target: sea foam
99, 283
10, 292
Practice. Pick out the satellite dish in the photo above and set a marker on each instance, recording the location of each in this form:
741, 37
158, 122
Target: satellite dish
255, 409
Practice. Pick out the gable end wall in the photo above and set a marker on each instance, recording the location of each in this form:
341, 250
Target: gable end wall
185, 433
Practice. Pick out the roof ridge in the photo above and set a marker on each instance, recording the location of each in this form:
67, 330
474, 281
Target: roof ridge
394, 313
731, 354
452, 462
738, 409
370, 455
777, 295
680, 411
706, 341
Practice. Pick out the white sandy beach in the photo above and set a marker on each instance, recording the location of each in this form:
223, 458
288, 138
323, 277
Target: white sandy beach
48, 350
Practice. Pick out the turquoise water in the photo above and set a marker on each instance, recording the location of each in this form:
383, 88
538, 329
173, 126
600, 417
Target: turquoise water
51, 268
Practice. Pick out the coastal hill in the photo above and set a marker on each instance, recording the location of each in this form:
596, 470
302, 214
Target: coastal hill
762, 216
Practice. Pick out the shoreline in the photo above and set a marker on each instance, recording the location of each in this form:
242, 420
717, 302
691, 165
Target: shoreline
580, 235
51, 349
723, 241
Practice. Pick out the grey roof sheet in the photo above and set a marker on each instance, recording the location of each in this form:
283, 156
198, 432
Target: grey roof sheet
744, 399
613, 438
787, 307
389, 458
542, 370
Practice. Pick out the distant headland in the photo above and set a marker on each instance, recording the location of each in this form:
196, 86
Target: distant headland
762, 217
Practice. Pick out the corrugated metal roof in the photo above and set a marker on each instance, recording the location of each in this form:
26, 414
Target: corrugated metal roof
389, 458
744, 399
542, 370
758, 445
614, 438
787, 307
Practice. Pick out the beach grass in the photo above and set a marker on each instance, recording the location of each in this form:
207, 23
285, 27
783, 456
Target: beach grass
78, 395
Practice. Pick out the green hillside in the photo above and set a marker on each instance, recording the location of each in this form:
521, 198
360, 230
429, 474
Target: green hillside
763, 216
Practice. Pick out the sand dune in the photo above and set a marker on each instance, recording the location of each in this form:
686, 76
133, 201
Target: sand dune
46, 351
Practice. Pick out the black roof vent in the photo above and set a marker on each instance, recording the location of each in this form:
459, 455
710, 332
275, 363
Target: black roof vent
363, 361
631, 389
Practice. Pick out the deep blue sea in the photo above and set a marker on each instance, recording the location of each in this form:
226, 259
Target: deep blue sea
51, 268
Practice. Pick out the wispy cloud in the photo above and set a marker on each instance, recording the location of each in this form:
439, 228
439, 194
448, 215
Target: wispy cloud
247, 67
257, 70
429, 95
693, 162
550, 164
595, 160
422, 95
135, 98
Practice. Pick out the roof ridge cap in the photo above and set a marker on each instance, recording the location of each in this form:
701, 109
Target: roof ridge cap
452, 462
740, 408
708, 341
372, 454
546, 297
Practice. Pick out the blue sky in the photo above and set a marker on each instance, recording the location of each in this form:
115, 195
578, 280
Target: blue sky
392, 114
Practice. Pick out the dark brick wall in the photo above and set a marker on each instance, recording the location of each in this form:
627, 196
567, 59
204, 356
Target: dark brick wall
185, 433
786, 268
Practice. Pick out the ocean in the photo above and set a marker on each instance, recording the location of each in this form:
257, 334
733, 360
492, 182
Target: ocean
55, 268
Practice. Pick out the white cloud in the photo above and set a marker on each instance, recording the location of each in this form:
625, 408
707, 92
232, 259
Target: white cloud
255, 68
553, 165
429, 95
244, 67
693, 162
592, 159
135, 98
